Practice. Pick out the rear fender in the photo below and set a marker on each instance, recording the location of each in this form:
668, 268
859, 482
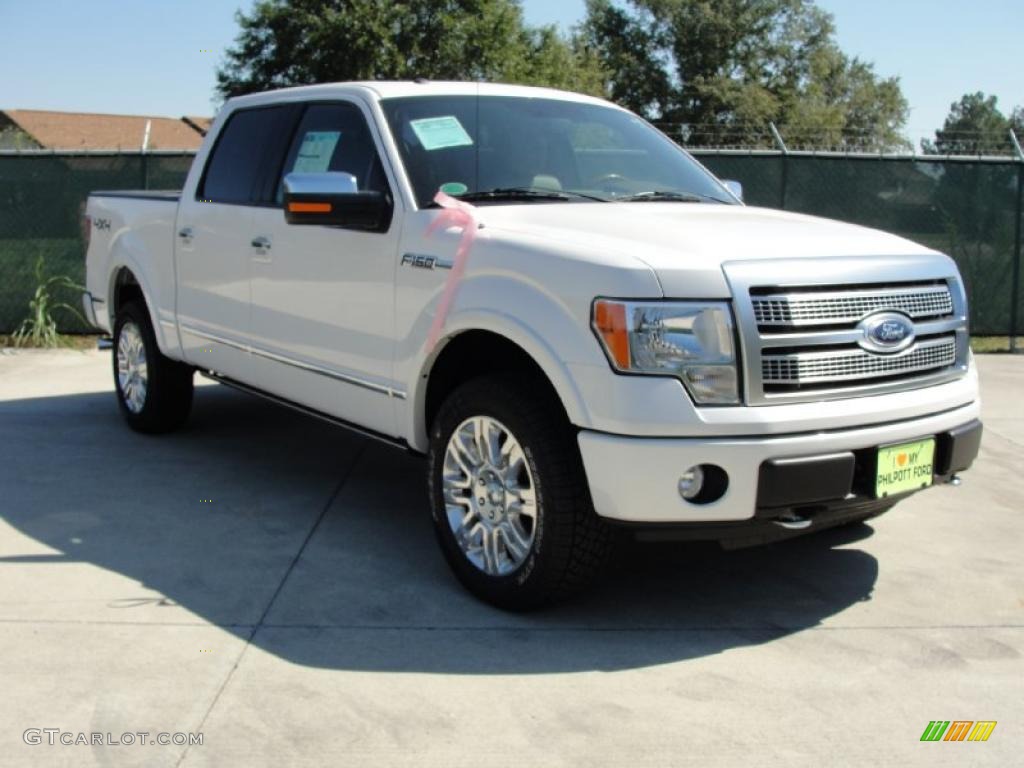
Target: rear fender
126, 253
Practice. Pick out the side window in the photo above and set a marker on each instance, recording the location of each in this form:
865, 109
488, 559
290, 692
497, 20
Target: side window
334, 137
236, 163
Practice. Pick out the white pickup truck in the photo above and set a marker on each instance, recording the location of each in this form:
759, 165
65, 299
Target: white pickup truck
585, 332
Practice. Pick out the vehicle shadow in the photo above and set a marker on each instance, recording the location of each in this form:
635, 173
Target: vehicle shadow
210, 521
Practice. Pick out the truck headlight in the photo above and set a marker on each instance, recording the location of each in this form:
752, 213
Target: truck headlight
692, 340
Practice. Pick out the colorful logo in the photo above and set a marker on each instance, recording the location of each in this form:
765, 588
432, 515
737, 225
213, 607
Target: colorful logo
958, 730
886, 332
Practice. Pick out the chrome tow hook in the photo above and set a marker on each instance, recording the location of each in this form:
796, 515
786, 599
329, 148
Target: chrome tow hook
792, 522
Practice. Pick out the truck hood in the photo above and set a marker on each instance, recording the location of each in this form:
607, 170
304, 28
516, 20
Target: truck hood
687, 243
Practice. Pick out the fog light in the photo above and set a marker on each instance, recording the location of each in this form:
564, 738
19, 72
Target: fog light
691, 482
703, 484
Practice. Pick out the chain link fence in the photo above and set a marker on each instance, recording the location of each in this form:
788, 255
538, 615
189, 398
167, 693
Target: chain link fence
970, 208
42, 198
997, 141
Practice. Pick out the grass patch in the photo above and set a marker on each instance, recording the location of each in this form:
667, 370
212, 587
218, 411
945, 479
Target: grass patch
18, 259
982, 344
65, 341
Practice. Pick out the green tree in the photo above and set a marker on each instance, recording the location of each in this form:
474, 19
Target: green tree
726, 69
548, 59
628, 46
975, 126
297, 42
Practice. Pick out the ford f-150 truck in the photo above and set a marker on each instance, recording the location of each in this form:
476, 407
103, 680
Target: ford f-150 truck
581, 327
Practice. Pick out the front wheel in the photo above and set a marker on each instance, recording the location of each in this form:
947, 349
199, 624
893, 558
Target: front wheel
154, 393
511, 506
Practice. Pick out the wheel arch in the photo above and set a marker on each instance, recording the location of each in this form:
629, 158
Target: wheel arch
483, 347
125, 285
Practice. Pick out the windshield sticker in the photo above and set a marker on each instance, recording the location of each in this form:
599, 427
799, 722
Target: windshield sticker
316, 151
454, 188
440, 132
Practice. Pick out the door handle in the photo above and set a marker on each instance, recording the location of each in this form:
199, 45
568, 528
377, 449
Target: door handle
185, 233
261, 243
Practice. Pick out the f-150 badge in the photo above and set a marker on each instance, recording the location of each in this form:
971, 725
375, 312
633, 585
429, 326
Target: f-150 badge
424, 261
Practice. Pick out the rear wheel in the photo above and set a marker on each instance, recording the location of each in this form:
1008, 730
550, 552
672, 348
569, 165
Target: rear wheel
154, 392
510, 502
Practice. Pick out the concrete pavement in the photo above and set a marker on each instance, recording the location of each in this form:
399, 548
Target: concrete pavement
273, 583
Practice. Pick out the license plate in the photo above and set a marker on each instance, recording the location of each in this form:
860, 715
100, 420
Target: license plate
904, 467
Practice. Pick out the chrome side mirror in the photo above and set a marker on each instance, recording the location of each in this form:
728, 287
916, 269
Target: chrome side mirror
735, 188
334, 199
328, 183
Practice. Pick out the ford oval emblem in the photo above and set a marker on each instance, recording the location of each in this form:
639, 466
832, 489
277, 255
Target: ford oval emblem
886, 332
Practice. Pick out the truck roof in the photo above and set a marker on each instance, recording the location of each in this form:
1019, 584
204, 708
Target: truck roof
389, 89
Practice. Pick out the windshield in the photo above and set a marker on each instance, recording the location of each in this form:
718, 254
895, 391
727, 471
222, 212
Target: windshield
469, 145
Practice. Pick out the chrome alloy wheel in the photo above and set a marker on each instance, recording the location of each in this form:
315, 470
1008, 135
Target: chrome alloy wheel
489, 495
132, 374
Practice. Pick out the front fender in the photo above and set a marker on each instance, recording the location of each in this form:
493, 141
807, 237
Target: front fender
533, 292
552, 328
514, 330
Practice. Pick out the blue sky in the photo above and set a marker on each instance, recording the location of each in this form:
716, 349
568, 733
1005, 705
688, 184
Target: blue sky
148, 56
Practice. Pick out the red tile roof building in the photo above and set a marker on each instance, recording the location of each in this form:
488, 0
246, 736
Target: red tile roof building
41, 129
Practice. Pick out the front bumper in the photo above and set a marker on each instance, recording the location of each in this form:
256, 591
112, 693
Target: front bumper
635, 480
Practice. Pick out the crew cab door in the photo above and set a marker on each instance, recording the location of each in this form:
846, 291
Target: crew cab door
323, 296
213, 244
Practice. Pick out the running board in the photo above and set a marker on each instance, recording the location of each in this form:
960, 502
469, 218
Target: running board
394, 442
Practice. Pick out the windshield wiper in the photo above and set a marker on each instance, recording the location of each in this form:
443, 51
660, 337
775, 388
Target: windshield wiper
526, 193
661, 195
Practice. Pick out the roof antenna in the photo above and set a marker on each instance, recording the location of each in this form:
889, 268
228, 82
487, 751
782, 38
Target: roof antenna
421, 80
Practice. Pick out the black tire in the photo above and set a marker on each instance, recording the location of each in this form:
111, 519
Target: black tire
571, 543
168, 392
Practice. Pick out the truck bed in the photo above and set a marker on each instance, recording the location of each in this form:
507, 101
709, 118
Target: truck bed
134, 230
172, 195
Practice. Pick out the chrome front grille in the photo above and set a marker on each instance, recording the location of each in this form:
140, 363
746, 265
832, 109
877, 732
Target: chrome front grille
826, 308
804, 329
853, 364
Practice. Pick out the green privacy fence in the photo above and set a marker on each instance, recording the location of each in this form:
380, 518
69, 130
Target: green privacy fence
42, 196
969, 208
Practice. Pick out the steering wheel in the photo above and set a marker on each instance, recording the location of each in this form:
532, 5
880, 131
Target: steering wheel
612, 183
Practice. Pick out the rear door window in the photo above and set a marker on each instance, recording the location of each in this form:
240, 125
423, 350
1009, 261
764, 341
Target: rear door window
250, 145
